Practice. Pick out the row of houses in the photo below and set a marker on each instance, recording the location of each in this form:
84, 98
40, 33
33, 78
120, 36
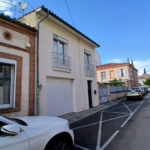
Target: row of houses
49, 68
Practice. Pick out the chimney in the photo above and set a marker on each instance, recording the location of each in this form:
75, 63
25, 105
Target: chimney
144, 71
128, 60
132, 62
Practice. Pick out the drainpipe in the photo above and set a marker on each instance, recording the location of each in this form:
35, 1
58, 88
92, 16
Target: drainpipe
38, 86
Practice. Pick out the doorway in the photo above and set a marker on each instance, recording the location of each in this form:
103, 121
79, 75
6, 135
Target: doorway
89, 93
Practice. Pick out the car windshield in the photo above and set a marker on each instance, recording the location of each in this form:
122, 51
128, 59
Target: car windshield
132, 90
18, 121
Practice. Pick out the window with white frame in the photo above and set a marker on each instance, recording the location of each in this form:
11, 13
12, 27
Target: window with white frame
7, 82
87, 57
122, 72
59, 48
103, 76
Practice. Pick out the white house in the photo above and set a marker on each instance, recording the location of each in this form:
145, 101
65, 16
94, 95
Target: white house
67, 69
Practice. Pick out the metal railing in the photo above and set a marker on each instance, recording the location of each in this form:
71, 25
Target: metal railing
61, 62
89, 69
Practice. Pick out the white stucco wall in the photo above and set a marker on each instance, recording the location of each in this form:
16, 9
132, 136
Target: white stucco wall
97, 58
77, 74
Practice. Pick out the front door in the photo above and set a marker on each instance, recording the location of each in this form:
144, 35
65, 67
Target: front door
103, 93
89, 93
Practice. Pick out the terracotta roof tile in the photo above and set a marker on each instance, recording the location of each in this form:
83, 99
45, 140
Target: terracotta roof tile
145, 76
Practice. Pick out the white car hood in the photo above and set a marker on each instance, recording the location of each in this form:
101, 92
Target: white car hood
38, 122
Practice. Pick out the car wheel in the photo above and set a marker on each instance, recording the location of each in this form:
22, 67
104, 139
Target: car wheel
60, 143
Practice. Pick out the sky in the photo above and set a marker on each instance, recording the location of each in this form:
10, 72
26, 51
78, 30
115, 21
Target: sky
120, 27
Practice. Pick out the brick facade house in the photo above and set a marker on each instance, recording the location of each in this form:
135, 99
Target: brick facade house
17, 67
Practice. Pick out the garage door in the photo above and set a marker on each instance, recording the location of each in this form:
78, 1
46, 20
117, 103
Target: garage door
59, 97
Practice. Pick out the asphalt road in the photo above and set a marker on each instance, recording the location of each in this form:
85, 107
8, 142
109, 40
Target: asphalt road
125, 126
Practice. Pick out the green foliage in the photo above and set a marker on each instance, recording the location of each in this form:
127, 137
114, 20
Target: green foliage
147, 81
116, 82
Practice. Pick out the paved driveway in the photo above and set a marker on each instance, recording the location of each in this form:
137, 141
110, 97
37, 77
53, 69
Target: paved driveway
99, 130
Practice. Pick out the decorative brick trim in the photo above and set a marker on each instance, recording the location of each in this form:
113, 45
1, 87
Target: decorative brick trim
31, 110
14, 47
18, 82
31, 51
5, 34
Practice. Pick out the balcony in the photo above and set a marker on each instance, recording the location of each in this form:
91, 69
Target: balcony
89, 69
61, 62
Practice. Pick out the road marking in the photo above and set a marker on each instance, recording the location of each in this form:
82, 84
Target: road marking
121, 106
99, 122
109, 140
99, 132
127, 107
132, 113
116, 112
81, 147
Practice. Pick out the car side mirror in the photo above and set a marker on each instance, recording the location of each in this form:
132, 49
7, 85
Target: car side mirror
10, 129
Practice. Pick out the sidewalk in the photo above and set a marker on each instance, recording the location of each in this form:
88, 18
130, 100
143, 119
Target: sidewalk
73, 117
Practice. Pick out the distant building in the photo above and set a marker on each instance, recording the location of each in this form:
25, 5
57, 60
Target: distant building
124, 71
97, 58
143, 77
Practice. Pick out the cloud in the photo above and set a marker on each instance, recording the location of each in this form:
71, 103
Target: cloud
117, 60
140, 65
7, 6
8, 13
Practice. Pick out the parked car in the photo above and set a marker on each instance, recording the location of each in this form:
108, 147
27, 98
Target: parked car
148, 88
35, 133
145, 89
142, 89
134, 93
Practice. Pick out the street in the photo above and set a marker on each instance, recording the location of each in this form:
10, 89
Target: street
124, 126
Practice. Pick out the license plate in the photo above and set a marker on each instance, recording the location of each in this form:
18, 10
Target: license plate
132, 93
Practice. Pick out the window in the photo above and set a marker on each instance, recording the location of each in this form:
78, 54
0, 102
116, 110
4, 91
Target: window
112, 74
59, 49
103, 77
7, 80
130, 72
122, 72
87, 57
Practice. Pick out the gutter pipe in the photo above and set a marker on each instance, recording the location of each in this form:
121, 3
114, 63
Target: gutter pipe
38, 86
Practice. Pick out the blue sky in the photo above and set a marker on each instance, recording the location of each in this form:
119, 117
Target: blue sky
121, 27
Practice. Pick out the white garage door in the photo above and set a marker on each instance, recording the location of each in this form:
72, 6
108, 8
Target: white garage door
59, 97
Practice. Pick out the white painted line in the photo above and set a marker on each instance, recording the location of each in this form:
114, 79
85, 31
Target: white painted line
115, 118
99, 122
99, 132
116, 112
132, 114
81, 147
109, 140
121, 106
127, 107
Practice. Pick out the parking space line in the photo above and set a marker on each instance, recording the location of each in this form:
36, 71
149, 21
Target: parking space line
117, 112
99, 132
99, 122
109, 140
122, 106
132, 113
81, 147
127, 107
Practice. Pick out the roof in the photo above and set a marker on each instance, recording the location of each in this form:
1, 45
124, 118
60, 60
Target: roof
145, 76
64, 22
17, 22
113, 65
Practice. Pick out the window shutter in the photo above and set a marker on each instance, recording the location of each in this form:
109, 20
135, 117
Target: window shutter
124, 72
120, 73
90, 59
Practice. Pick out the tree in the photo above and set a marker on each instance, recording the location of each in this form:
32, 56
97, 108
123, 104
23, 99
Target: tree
116, 82
147, 81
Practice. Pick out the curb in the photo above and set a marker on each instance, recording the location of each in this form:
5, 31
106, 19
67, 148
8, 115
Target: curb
97, 111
